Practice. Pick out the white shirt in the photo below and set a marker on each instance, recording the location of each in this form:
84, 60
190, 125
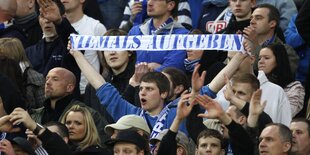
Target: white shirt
89, 26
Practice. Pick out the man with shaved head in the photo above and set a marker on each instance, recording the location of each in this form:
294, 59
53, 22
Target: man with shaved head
7, 29
59, 88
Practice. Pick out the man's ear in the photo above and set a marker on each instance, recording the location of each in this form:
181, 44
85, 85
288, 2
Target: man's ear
31, 4
253, 3
178, 89
273, 24
222, 151
171, 5
66, 139
286, 146
141, 152
70, 87
164, 95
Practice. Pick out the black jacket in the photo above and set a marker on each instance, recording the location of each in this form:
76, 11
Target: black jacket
303, 22
54, 144
120, 82
31, 29
14, 32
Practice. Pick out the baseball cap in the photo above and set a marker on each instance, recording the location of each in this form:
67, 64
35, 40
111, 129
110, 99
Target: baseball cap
181, 138
24, 144
127, 122
213, 124
129, 136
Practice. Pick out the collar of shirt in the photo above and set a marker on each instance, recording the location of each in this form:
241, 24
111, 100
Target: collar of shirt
153, 30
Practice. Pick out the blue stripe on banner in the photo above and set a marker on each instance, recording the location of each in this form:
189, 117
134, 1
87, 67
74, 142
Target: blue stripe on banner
226, 42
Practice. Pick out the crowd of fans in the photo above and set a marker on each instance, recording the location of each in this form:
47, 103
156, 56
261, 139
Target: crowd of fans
60, 101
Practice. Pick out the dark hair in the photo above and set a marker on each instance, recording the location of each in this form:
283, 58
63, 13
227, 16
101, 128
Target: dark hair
159, 79
178, 77
195, 31
211, 133
284, 132
62, 129
246, 78
274, 13
281, 74
175, 10
11, 68
304, 120
10, 95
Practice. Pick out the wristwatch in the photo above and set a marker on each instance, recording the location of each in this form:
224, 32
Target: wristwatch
38, 128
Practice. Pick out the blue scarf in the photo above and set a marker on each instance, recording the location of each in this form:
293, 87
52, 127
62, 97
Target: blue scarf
5, 24
190, 65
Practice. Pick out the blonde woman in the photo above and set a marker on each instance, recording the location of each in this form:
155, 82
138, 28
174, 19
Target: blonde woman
83, 135
33, 82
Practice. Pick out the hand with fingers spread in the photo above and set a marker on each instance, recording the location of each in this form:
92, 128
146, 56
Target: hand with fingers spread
20, 115
6, 147
50, 11
6, 125
250, 37
256, 108
140, 70
33, 139
184, 106
183, 111
215, 111
197, 80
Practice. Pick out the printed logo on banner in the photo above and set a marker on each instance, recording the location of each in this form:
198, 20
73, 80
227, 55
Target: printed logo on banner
215, 27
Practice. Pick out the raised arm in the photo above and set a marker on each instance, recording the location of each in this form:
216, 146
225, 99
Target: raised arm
93, 77
219, 81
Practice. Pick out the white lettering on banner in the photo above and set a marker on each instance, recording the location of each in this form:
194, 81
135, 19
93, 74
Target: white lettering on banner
227, 42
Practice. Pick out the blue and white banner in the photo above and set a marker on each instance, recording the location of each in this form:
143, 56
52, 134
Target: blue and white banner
226, 42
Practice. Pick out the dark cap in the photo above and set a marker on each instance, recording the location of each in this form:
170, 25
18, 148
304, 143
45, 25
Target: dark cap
129, 136
24, 144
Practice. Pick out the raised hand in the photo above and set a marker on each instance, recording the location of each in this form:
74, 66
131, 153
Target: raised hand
184, 106
153, 65
135, 9
140, 70
256, 108
197, 80
50, 11
215, 111
228, 93
250, 38
33, 139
